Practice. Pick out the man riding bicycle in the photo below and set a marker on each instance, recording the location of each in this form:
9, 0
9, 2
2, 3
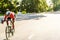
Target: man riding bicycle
9, 16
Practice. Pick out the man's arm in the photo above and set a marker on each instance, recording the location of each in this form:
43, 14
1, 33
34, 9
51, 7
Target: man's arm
4, 19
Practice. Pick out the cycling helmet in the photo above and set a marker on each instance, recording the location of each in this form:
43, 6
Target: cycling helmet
7, 13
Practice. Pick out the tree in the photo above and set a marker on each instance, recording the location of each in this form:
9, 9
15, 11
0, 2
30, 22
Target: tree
4, 4
43, 6
56, 5
33, 5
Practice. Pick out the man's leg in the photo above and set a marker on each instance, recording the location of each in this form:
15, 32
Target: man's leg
13, 24
7, 22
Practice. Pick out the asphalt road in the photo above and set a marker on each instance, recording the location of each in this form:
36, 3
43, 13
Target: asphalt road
35, 27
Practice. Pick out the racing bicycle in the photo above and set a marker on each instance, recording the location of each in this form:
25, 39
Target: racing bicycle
8, 31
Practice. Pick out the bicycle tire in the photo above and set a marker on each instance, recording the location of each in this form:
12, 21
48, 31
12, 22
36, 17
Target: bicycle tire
7, 32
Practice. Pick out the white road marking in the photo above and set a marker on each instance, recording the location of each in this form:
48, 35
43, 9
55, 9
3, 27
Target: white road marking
30, 36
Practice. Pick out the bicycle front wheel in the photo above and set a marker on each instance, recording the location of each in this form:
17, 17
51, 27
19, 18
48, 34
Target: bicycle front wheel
7, 32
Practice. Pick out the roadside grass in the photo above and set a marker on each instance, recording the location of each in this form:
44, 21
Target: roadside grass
1, 14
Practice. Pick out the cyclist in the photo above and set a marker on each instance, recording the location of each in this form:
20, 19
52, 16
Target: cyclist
8, 16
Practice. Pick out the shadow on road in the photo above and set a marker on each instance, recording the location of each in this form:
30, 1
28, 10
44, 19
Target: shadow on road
35, 17
27, 17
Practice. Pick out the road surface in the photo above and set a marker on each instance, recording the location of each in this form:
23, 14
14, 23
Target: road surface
37, 27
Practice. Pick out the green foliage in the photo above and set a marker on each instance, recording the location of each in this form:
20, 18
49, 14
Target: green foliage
4, 4
1, 14
43, 6
34, 5
56, 5
23, 12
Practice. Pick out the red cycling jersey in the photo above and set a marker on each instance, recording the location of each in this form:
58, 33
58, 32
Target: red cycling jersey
12, 16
